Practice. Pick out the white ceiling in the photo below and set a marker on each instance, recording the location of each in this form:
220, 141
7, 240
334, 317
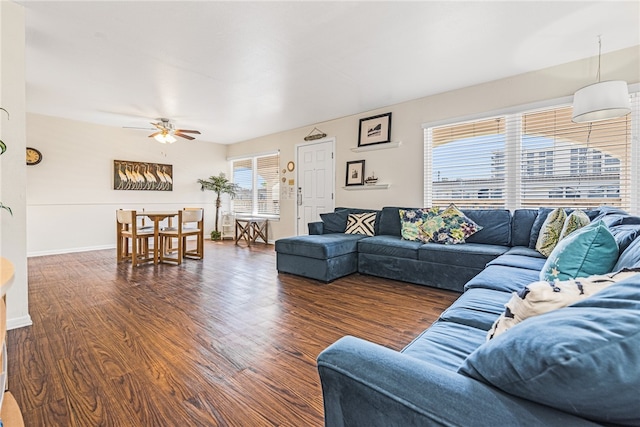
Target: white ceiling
238, 70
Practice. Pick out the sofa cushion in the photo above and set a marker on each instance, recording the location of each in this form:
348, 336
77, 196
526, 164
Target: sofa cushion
588, 251
541, 297
612, 220
521, 224
469, 254
411, 221
477, 308
451, 226
630, 257
441, 344
587, 361
502, 278
513, 259
495, 223
389, 221
335, 222
624, 235
361, 223
391, 246
323, 246
526, 251
575, 220
537, 225
550, 231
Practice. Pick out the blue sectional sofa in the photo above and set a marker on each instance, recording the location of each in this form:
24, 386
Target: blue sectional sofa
327, 253
574, 366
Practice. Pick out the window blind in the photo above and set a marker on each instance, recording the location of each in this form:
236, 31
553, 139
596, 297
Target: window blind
468, 164
258, 182
534, 158
588, 163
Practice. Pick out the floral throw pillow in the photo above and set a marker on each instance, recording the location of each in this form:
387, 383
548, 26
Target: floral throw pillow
576, 220
451, 226
412, 221
550, 231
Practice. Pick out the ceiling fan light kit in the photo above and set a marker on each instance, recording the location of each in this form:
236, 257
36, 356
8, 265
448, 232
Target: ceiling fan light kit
167, 132
164, 138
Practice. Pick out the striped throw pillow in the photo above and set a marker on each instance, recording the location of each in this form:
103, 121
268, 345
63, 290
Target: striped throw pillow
363, 223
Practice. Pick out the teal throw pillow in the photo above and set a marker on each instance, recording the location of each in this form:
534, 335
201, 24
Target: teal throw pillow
587, 251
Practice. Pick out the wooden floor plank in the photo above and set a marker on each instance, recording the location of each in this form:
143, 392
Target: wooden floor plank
226, 341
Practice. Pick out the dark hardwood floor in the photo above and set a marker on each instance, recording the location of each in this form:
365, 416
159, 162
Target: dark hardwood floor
224, 341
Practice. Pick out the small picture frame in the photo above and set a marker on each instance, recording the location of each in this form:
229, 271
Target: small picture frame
375, 130
355, 173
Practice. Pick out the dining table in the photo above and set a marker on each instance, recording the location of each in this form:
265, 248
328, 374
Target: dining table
156, 217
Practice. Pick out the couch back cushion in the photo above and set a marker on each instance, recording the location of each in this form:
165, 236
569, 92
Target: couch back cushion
495, 223
389, 221
345, 212
521, 225
583, 359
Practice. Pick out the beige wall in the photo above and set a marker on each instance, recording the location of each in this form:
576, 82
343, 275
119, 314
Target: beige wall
402, 167
71, 202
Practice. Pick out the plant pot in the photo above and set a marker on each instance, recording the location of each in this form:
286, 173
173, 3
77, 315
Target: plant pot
216, 235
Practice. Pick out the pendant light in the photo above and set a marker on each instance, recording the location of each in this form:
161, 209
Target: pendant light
601, 100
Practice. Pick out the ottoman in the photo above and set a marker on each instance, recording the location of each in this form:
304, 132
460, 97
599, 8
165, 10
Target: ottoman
324, 257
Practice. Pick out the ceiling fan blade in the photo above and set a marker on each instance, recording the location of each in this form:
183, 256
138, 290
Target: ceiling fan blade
188, 131
184, 136
159, 126
154, 134
137, 127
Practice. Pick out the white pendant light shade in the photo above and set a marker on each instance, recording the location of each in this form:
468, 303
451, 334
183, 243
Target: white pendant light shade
601, 101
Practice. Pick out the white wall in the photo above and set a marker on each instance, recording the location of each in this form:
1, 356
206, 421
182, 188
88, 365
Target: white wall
402, 167
12, 163
71, 202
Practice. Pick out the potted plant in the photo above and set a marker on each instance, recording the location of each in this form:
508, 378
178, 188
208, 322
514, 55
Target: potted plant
220, 184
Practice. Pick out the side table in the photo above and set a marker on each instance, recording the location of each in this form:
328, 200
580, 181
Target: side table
250, 229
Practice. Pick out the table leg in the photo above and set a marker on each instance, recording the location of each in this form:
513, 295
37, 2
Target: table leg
156, 240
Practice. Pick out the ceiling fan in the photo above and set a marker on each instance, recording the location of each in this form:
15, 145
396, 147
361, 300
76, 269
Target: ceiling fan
167, 132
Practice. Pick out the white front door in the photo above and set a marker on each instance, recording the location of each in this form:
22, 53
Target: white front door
316, 182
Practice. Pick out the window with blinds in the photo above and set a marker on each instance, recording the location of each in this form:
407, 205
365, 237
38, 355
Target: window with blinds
469, 164
532, 159
588, 163
258, 182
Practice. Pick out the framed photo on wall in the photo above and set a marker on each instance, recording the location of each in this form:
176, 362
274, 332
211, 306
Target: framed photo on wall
355, 173
375, 130
129, 175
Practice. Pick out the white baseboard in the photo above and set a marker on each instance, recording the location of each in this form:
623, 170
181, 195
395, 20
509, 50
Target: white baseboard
69, 250
19, 322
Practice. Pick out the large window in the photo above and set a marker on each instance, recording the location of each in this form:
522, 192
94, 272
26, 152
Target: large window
531, 159
258, 182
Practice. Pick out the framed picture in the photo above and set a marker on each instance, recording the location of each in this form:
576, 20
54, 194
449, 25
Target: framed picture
375, 130
128, 175
355, 173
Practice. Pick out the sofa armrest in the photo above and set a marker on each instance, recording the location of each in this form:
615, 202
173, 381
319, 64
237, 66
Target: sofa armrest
316, 227
365, 384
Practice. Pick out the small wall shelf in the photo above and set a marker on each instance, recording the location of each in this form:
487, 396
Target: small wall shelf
377, 147
367, 187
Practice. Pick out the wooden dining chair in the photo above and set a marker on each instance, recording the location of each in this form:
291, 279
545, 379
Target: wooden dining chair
128, 233
193, 225
190, 222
